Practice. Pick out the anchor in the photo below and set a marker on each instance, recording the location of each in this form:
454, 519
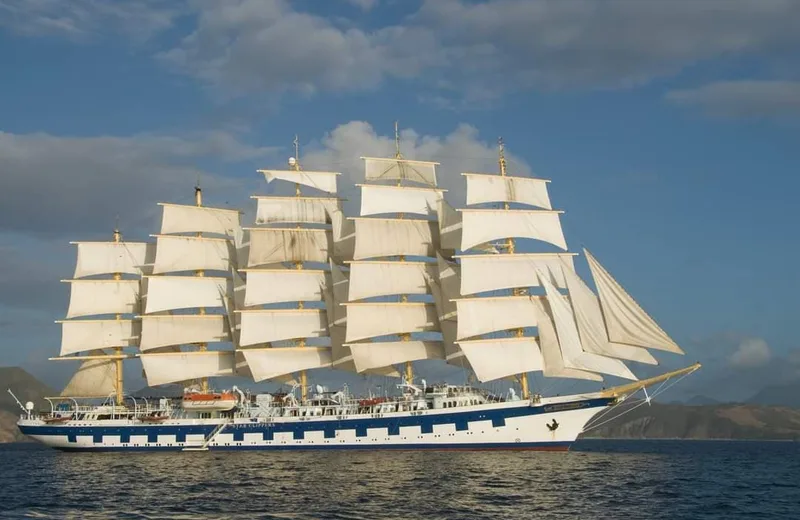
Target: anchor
552, 426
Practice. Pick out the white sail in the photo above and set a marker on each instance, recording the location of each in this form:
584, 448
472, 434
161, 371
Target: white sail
269, 363
94, 378
379, 199
591, 327
267, 325
275, 245
370, 278
344, 236
171, 367
502, 357
85, 335
394, 169
160, 331
478, 316
551, 351
450, 227
368, 356
485, 225
626, 322
307, 210
483, 273
266, 286
569, 340
176, 253
335, 295
368, 320
113, 257
445, 293
96, 297
166, 293
324, 181
181, 218
377, 237
498, 188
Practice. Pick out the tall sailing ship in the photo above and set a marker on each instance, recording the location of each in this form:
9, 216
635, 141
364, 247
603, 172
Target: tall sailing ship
409, 282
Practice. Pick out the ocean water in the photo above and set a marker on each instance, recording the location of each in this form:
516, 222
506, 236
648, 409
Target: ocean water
597, 479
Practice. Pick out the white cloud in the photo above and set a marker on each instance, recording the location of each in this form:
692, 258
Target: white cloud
83, 19
266, 46
462, 50
745, 98
462, 150
477, 49
752, 353
54, 185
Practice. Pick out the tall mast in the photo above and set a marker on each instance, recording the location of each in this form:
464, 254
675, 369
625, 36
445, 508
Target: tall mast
284, 290
510, 247
101, 374
118, 350
381, 268
190, 295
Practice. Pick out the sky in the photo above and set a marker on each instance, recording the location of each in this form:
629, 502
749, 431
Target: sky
669, 130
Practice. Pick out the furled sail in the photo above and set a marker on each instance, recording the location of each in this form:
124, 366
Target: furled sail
626, 321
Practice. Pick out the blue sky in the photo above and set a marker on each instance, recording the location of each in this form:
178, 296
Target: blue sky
669, 129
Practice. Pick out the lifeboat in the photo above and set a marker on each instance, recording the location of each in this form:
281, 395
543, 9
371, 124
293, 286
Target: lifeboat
218, 401
372, 402
153, 418
57, 419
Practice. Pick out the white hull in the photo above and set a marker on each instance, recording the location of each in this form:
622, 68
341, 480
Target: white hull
508, 425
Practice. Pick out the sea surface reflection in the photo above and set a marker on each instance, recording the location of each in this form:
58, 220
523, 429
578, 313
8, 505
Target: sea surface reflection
598, 479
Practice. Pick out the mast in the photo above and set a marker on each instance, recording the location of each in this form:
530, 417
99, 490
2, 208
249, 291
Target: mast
510, 248
185, 307
573, 341
382, 276
284, 323
118, 350
101, 374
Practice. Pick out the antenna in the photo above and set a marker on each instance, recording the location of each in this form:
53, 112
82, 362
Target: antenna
198, 192
502, 154
117, 234
397, 153
294, 162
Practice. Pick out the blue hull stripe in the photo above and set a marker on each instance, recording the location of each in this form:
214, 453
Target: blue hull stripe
298, 429
540, 446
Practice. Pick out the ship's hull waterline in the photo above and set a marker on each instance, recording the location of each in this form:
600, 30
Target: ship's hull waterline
517, 425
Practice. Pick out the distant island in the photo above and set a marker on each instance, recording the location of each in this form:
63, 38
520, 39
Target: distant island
709, 420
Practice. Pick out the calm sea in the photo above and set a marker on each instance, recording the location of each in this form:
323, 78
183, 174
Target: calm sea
598, 479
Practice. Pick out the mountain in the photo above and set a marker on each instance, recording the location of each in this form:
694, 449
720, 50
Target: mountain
722, 421
26, 388
778, 395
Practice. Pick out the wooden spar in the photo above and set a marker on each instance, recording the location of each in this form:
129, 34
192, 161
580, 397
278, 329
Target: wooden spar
644, 383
